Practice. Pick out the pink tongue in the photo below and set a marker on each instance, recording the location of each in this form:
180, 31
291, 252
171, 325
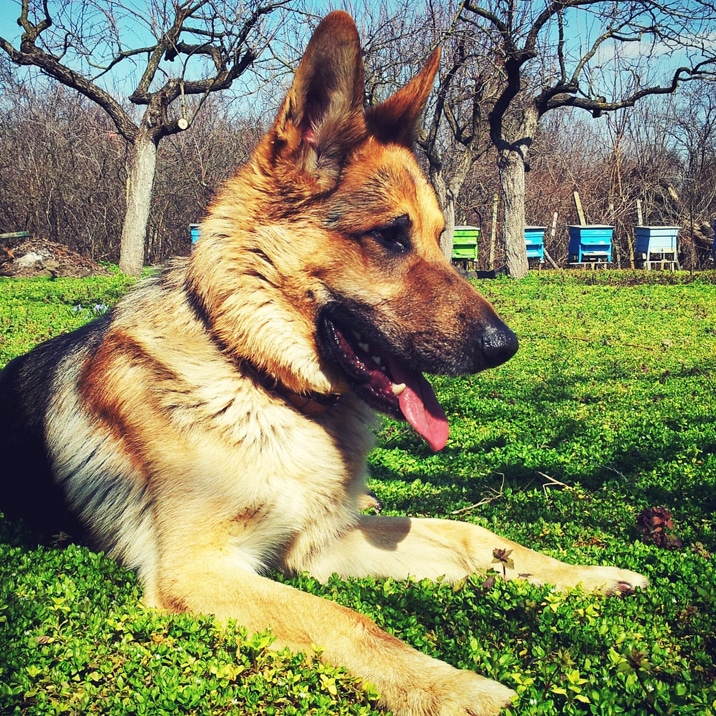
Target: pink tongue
420, 406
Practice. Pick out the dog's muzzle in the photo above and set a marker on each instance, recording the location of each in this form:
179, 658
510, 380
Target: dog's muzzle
395, 385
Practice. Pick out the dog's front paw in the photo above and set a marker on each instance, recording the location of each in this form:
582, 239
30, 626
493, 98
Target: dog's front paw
611, 581
468, 693
448, 692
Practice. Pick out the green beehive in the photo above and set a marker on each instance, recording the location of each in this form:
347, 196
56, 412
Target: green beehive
464, 247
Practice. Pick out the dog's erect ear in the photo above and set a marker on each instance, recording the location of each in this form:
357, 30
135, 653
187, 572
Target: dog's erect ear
399, 118
322, 117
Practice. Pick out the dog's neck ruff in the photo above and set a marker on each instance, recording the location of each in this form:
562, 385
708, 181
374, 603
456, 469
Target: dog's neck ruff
309, 403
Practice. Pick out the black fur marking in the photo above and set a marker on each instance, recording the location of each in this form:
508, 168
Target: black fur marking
28, 486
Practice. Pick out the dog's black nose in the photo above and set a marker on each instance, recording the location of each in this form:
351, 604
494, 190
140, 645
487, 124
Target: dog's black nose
499, 344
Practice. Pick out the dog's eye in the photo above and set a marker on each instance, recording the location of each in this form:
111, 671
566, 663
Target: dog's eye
395, 236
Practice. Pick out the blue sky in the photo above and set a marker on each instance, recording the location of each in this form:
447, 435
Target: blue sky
661, 60
135, 33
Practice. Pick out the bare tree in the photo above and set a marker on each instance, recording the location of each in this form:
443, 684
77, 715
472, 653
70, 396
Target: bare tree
691, 126
187, 47
557, 53
62, 167
464, 85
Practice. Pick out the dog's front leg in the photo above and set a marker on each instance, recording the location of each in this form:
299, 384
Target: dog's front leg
410, 683
431, 548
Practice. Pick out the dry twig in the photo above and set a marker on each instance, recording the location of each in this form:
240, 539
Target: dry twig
491, 497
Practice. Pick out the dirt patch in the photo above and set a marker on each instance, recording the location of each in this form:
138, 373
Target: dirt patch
42, 257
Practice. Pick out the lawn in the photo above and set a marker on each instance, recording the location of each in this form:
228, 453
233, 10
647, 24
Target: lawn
607, 412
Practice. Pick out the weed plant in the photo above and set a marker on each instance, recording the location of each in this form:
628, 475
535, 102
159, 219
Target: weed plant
607, 413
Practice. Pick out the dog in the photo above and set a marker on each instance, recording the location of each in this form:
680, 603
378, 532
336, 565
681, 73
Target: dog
214, 426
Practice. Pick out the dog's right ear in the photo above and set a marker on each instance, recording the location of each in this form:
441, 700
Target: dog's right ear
322, 116
399, 118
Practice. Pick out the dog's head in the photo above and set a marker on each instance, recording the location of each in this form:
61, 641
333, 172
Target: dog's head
320, 263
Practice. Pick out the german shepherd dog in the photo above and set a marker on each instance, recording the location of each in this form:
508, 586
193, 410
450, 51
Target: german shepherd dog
215, 425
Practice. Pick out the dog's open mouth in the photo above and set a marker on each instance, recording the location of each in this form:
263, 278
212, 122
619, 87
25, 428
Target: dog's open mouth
387, 384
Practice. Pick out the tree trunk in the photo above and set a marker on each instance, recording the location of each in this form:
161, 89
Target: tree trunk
512, 180
448, 236
140, 181
447, 204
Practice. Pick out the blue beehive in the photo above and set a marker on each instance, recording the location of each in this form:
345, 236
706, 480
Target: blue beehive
590, 243
656, 239
194, 232
534, 242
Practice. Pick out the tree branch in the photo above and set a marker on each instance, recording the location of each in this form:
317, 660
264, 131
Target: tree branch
682, 74
564, 91
166, 43
31, 55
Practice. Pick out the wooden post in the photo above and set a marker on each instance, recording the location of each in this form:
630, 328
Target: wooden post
580, 211
493, 230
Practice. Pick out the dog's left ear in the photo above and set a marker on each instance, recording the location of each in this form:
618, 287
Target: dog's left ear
322, 117
399, 119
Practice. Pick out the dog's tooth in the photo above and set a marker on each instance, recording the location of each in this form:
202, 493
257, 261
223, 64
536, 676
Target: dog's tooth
377, 360
397, 388
364, 346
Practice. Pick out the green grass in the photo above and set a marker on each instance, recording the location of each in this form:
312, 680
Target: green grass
608, 408
35, 309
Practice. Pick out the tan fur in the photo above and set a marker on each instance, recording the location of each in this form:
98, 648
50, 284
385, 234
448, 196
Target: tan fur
202, 436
